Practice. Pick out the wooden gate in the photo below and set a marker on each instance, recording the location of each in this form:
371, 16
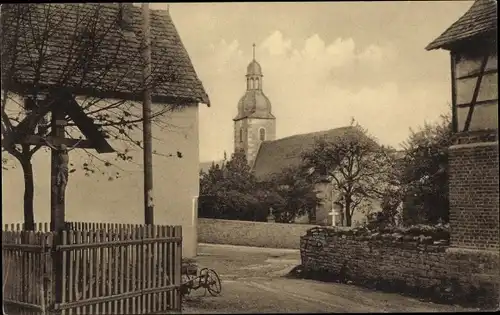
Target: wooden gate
26, 271
102, 269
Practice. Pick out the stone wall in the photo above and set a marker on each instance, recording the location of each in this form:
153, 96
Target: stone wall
474, 191
247, 233
404, 262
250, 135
254, 125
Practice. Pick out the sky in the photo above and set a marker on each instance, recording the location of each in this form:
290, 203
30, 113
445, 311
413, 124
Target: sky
323, 64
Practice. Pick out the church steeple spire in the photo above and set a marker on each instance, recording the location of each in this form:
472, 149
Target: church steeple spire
254, 122
254, 73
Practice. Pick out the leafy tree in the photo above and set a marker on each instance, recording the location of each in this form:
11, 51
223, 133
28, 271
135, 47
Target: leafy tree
291, 194
425, 173
29, 35
358, 167
230, 191
393, 193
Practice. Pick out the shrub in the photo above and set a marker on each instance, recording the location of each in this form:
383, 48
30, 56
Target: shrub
426, 234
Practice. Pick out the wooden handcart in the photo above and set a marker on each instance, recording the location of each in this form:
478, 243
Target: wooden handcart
207, 279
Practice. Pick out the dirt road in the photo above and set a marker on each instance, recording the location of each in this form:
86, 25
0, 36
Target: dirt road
253, 282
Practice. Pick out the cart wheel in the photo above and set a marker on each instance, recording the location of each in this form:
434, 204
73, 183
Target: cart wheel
187, 280
213, 283
203, 280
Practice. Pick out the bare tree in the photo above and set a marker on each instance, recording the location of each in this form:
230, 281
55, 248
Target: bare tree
90, 51
357, 166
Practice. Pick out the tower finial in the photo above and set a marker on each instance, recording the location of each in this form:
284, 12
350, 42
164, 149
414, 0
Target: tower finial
253, 51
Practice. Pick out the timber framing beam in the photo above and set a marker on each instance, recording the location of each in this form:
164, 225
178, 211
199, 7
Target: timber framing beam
476, 73
66, 104
483, 102
87, 127
27, 125
39, 140
476, 91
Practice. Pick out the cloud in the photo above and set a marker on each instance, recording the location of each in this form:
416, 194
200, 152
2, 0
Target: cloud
373, 54
314, 85
275, 44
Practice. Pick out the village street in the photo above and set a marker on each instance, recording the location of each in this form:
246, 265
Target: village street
253, 282
135, 135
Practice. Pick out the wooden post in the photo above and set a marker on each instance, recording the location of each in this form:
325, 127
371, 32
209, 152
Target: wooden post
57, 214
476, 92
454, 118
57, 204
146, 116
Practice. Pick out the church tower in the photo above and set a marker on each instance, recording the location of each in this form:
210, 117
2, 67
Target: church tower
254, 122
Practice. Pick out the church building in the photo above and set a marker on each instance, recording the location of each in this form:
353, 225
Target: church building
254, 122
255, 134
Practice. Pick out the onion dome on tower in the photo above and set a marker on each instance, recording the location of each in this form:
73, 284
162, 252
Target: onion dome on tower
254, 104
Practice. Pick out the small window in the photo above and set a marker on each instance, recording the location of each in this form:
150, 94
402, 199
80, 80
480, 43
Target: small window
241, 134
262, 134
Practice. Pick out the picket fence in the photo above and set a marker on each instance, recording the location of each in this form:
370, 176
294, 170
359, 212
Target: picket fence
92, 268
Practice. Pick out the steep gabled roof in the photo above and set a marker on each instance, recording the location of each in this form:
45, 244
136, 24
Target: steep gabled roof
116, 67
480, 19
275, 156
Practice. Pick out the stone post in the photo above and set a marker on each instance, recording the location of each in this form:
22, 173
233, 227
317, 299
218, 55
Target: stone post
270, 217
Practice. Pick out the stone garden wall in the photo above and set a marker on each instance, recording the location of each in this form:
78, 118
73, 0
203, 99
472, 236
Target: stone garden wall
249, 233
418, 261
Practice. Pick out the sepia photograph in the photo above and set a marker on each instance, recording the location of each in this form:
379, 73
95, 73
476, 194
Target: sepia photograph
249, 157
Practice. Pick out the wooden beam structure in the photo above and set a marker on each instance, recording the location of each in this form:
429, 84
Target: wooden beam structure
60, 104
39, 140
27, 125
454, 118
146, 118
57, 197
476, 92
65, 106
87, 127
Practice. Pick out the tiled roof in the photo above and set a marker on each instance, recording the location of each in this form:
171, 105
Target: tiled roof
275, 156
254, 104
481, 18
116, 65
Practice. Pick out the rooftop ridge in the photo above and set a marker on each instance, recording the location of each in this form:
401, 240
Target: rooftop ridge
480, 19
178, 81
309, 134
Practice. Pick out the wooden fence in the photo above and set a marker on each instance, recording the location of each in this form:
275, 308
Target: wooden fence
26, 271
94, 268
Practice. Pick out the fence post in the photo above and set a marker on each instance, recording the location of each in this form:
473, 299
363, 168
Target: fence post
57, 271
23, 234
178, 268
47, 298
